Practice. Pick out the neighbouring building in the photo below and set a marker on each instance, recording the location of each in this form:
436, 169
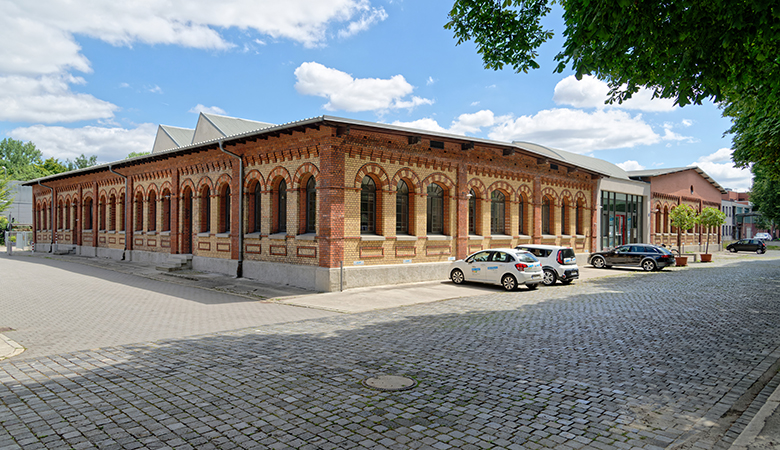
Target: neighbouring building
735, 205
20, 210
675, 186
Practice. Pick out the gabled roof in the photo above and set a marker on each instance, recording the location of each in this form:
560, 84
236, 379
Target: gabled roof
635, 174
213, 126
169, 137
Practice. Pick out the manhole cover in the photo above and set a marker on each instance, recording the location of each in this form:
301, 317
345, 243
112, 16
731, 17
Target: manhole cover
389, 383
4, 329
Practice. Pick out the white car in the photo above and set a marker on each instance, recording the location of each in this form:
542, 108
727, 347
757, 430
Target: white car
763, 236
558, 263
505, 266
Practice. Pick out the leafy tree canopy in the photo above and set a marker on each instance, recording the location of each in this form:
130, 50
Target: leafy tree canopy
24, 162
688, 50
765, 196
134, 154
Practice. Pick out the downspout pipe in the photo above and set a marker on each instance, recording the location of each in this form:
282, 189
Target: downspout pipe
124, 220
51, 217
240, 268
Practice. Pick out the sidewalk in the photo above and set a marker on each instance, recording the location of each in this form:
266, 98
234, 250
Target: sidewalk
9, 348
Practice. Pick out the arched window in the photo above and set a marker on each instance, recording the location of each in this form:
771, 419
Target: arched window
224, 209
112, 213
166, 210
205, 209
152, 211
580, 217
88, 213
281, 207
435, 209
402, 208
67, 215
658, 219
497, 212
666, 219
565, 217
546, 215
522, 211
311, 205
368, 205
139, 212
122, 212
258, 216
472, 212
60, 212
102, 214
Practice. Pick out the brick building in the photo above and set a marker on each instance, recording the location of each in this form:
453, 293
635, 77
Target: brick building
675, 186
322, 202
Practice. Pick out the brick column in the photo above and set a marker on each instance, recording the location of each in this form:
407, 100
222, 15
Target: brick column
174, 211
537, 202
594, 215
235, 202
95, 215
462, 212
129, 224
330, 216
79, 217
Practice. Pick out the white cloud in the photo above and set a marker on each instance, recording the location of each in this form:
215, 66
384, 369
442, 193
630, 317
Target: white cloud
686, 122
48, 99
630, 165
670, 135
197, 109
590, 92
155, 89
719, 166
430, 81
38, 39
355, 94
464, 124
108, 144
366, 20
578, 131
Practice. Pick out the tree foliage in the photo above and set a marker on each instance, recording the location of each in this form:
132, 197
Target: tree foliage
5, 193
765, 196
711, 218
682, 217
135, 154
23, 161
687, 50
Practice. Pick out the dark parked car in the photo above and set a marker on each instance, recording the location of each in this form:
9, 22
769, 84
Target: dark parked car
646, 256
747, 245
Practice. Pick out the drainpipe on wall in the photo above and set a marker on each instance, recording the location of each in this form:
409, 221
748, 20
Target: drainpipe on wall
240, 268
51, 218
124, 220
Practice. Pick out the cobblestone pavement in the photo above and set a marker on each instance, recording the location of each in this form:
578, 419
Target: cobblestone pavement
58, 306
673, 359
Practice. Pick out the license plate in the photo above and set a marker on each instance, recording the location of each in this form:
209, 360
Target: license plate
535, 276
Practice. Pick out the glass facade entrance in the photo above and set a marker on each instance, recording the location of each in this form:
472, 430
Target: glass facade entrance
621, 219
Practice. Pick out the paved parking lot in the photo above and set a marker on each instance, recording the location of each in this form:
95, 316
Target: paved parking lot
674, 359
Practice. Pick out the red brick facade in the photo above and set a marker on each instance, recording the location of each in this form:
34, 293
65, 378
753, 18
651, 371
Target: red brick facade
185, 192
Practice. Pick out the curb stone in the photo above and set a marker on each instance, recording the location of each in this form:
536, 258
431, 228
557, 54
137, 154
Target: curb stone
9, 348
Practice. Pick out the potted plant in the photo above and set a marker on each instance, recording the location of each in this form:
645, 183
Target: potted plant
710, 218
682, 217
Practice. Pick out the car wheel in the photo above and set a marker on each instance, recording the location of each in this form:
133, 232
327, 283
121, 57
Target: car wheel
457, 276
509, 282
648, 265
598, 262
566, 281
549, 277
532, 287
760, 251
733, 250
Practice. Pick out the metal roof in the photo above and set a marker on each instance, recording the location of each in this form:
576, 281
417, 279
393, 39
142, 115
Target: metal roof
181, 136
260, 128
668, 171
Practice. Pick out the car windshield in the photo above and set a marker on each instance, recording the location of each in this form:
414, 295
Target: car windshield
661, 250
567, 253
526, 257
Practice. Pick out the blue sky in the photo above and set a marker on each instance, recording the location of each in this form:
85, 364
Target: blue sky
99, 77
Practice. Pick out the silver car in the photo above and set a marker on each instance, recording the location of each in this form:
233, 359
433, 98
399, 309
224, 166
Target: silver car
504, 266
558, 263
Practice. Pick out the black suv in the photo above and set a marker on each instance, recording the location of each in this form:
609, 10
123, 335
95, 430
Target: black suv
747, 245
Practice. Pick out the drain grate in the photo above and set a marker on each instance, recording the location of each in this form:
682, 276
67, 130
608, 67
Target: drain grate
4, 329
389, 383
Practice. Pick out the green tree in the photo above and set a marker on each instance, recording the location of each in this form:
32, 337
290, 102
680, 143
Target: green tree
21, 159
81, 162
134, 154
711, 218
693, 50
51, 166
765, 196
682, 217
5, 193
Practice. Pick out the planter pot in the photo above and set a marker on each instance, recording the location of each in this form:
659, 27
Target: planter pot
706, 257
681, 261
